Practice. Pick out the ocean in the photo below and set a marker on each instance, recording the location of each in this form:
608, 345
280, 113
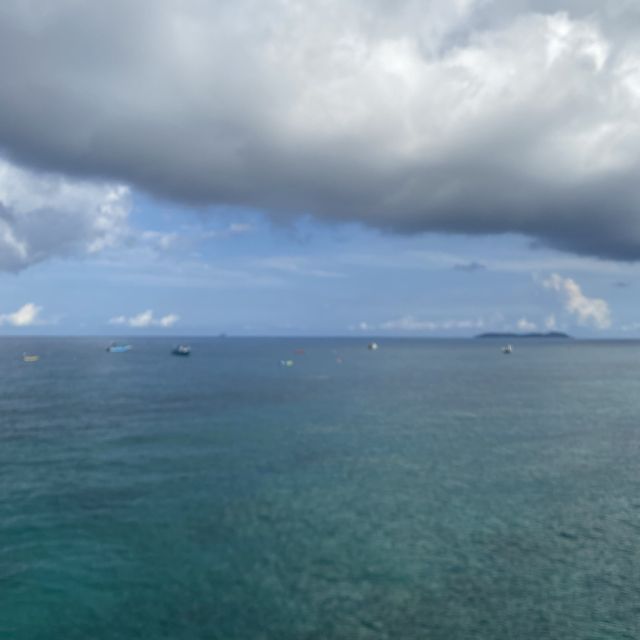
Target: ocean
433, 489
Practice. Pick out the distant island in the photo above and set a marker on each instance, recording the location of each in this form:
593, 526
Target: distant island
550, 334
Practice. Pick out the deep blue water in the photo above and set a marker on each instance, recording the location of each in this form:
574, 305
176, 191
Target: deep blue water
429, 490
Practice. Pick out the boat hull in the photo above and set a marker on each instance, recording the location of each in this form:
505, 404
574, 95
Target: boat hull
119, 349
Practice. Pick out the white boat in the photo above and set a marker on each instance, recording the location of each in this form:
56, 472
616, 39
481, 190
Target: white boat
507, 349
182, 350
372, 346
30, 357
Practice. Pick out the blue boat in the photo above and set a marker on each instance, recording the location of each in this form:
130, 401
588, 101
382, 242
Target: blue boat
116, 347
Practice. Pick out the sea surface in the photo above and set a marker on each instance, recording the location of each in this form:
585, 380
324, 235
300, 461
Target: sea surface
429, 490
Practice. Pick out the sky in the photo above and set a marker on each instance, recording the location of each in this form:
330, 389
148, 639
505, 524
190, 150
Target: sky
344, 167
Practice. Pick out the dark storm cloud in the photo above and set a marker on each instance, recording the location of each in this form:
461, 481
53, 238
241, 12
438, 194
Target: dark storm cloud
461, 116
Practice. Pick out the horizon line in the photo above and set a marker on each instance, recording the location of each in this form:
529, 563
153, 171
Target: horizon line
311, 336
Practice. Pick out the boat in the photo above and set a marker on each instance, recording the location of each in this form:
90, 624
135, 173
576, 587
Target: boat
30, 357
372, 346
286, 363
507, 349
117, 347
182, 350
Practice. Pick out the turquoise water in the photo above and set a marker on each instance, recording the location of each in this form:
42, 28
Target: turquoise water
429, 490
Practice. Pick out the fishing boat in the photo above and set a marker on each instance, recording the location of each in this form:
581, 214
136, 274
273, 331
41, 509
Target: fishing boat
372, 346
117, 347
507, 349
286, 363
182, 350
30, 357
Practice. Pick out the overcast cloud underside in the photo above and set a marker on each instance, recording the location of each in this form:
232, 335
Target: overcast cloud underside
458, 116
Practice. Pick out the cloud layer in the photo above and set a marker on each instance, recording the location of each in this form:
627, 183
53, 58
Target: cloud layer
411, 323
146, 319
46, 215
463, 116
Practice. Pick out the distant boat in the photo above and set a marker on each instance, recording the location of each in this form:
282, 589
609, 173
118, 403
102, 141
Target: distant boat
182, 350
286, 363
507, 349
116, 347
30, 358
372, 346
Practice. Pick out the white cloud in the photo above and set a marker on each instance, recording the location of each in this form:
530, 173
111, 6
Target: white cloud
361, 326
550, 322
146, 319
238, 228
588, 311
46, 215
232, 229
296, 265
159, 240
188, 238
525, 325
410, 323
168, 320
25, 316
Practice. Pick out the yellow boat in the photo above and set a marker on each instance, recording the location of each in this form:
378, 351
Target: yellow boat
30, 358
